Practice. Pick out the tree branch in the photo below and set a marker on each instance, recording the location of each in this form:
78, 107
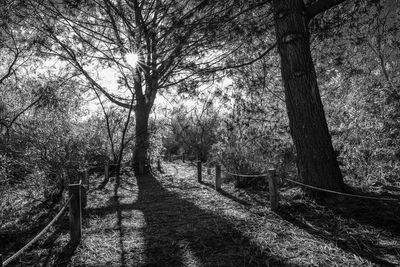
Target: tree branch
263, 54
321, 6
10, 67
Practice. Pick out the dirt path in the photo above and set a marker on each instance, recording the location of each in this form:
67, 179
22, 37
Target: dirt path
171, 220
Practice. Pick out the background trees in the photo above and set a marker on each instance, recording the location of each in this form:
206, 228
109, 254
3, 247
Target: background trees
171, 41
192, 129
180, 48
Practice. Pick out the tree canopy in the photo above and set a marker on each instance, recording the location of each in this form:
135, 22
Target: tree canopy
57, 55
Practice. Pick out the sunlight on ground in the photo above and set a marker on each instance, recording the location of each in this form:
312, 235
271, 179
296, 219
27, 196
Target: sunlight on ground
113, 231
113, 241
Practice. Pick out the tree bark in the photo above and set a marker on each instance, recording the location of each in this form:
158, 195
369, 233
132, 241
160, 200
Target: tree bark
141, 153
316, 160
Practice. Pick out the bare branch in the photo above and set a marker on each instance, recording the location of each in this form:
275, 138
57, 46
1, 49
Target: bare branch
10, 67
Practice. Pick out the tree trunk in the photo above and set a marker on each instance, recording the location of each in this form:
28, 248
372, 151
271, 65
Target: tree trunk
141, 154
317, 165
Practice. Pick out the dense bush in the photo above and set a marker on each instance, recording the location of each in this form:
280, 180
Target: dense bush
192, 130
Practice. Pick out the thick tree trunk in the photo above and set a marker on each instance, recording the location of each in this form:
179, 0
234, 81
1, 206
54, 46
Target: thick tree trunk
317, 163
144, 103
141, 153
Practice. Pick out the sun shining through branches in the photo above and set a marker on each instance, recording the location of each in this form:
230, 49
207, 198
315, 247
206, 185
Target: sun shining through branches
132, 59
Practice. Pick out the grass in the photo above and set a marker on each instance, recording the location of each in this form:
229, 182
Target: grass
169, 219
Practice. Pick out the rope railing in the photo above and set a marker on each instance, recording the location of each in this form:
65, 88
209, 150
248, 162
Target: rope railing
77, 199
246, 175
340, 193
313, 187
22, 250
271, 179
122, 164
175, 157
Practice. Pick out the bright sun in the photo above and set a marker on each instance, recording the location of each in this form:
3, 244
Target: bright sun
132, 59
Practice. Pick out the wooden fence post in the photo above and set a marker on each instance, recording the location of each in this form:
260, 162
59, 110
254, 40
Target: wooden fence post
273, 189
85, 188
159, 165
218, 180
75, 213
141, 167
199, 171
106, 170
87, 178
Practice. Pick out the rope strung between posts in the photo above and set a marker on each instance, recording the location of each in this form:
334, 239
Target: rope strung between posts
122, 164
308, 186
312, 187
246, 175
22, 250
174, 157
233, 174
339, 193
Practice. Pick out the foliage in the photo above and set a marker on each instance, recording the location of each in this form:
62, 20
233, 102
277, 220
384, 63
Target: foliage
192, 127
360, 85
253, 135
157, 132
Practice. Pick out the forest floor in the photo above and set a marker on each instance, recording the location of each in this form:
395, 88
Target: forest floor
169, 219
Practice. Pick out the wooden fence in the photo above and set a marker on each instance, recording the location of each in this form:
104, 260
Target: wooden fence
76, 201
270, 177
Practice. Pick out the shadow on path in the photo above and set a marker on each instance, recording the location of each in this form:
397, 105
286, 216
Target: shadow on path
179, 233
227, 194
176, 232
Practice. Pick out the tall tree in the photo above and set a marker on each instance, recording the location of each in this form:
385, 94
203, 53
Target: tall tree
317, 164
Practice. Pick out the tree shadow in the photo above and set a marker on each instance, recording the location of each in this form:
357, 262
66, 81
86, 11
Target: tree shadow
176, 232
367, 228
255, 189
118, 208
227, 194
